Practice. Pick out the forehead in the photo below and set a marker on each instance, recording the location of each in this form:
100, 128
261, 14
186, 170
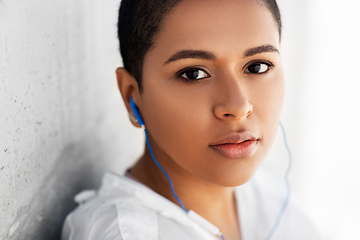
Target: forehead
219, 26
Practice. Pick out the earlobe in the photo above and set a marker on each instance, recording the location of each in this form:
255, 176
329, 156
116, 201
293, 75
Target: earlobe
128, 88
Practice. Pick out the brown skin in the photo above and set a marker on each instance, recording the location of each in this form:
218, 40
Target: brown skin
184, 117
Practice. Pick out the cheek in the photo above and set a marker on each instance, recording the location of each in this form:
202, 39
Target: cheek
267, 95
182, 122
175, 119
269, 102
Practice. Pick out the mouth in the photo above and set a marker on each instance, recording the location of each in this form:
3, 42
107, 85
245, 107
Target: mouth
236, 146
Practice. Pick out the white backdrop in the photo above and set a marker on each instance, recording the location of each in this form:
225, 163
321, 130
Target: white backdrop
322, 113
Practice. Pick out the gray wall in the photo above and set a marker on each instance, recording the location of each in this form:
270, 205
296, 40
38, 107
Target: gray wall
62, 123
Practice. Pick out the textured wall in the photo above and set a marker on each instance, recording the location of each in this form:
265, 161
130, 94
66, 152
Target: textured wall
61, 119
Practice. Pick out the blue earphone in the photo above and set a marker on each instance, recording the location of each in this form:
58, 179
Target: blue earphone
134, 108
192, 214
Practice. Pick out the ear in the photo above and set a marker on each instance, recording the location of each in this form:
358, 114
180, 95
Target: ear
128, 87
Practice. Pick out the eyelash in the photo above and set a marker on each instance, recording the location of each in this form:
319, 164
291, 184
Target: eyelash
189, 69
270, 65
179, 74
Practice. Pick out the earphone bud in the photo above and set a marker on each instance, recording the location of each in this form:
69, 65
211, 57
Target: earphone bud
135, 110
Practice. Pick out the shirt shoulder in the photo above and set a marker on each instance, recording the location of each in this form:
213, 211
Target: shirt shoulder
93, 220
110, 218
123, 209
111, 213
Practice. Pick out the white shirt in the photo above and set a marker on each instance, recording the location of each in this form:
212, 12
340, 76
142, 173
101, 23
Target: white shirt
124, 209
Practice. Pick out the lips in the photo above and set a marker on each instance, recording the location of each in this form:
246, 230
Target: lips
236, 145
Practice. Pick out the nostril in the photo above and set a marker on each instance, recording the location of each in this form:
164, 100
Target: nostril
232, 110
248, 113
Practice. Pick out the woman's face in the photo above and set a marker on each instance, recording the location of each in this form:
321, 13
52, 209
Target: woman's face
213, 89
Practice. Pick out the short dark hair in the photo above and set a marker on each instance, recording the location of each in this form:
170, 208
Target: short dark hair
139, 22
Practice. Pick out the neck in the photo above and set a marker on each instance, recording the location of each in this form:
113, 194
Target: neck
215, 203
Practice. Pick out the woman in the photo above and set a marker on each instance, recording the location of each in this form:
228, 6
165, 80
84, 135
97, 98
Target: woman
207, 79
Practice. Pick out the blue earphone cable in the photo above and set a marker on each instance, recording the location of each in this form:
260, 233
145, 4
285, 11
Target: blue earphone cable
141, 122
286, 201
162, 169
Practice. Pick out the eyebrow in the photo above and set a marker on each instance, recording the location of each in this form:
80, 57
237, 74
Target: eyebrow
191, 54
184, 54
261, 49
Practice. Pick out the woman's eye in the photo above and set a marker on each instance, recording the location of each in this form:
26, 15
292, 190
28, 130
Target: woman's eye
257, 68
194, 74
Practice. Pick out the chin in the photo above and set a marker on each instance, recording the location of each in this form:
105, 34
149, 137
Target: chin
238, 181
234, 177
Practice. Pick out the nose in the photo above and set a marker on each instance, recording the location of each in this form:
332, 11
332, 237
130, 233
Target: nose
232, 102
